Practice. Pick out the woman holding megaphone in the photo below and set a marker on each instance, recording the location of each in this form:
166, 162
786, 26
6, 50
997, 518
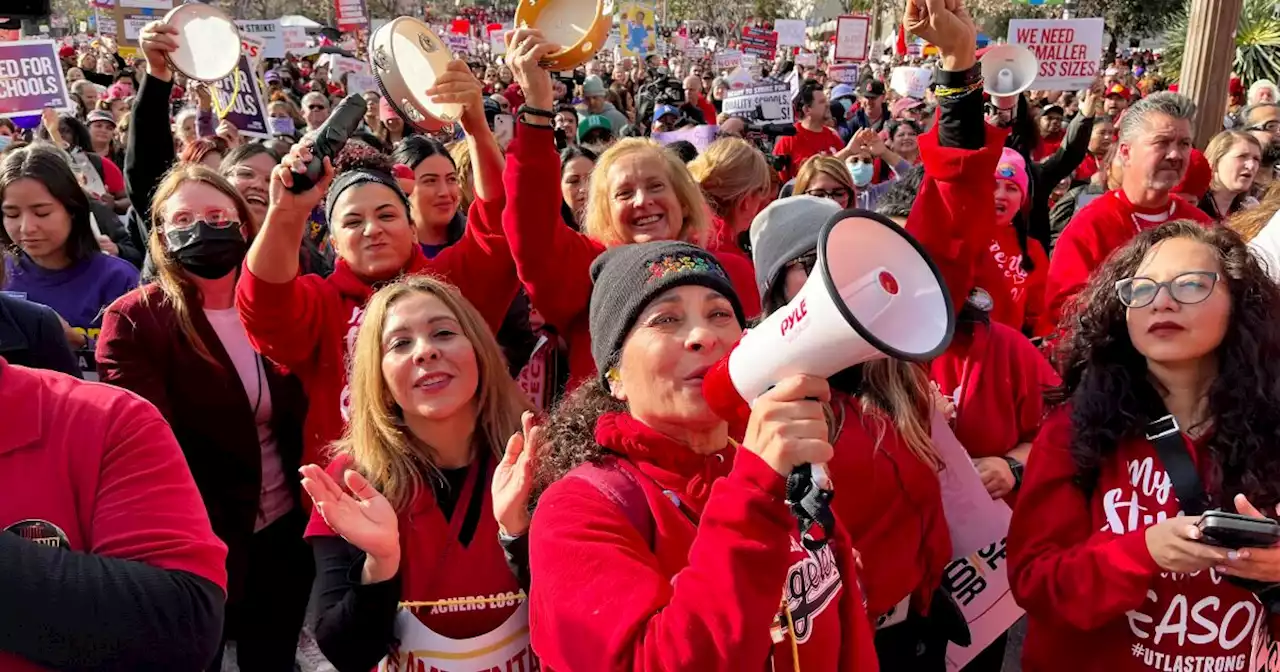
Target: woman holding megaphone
661, 543
308, 323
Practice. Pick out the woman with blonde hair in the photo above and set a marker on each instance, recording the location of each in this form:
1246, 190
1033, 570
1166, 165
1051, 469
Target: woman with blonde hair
419, 490
737, 182
826, 177
1236, 158
639, 192
848, 182
179, 343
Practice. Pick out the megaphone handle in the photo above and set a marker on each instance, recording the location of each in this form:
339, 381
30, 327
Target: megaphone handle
809, 495
304, 181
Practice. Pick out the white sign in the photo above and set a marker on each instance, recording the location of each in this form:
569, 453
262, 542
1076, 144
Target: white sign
911, 82
853, 34
770, 103
253, 48
979, 583
359, 83
458, 42
295, 41
790, 32
1069, 51
807, 59
269, 32
728, 59
498, 42
973, 518
133, 26
147, 4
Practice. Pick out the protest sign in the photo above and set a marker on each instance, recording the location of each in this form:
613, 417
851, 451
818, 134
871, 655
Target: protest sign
147, 4
638, 34
1069, 51
728, 59
350, 14
700, 136
31, 78
238, 95
770, 103
359, 83
974, 520
458, 43
790, 32
911, 82
271, 34
295, 41
853, 35
133, 24
843, 72
806, 59
759, 42
251, 47
979, 583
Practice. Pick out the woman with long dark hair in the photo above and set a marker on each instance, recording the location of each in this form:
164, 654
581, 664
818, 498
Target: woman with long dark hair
1169, 404
58, 261
576, 164
179, 343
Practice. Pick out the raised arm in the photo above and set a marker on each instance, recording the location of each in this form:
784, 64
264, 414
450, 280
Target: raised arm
552, 260
150, 152
1062, 163
281, 310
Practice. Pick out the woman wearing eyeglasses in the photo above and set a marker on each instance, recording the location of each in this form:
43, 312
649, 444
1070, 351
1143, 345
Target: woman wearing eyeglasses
1169, 379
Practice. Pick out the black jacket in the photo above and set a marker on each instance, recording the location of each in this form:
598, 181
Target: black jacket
31, 335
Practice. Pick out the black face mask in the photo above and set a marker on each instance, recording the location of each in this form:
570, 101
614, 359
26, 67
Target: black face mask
208, 250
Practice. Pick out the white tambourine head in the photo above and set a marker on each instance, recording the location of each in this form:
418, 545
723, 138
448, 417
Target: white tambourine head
579, 26
407, 57
208, 42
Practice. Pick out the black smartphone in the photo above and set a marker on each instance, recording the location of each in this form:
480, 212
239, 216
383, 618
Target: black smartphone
1233, 530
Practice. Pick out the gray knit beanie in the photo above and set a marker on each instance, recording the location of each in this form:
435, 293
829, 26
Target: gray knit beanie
627, 277
784, 231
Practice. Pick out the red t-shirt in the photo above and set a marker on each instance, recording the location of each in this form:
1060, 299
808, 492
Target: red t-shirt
100, 464
1095, 598
804, 144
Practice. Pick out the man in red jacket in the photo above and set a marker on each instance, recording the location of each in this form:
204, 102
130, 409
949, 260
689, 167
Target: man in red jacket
1155, 149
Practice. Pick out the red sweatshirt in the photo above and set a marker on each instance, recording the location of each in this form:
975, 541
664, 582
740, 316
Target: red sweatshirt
101, 465
891, 503
1095, 598
1023, 290
554, 261
435, 567
1096, 231
997, 379
705, 594
309, 323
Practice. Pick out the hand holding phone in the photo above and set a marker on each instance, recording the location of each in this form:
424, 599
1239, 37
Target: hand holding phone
1234, 530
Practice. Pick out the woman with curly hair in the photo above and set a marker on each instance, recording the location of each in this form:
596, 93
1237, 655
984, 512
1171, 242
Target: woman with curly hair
1175, 337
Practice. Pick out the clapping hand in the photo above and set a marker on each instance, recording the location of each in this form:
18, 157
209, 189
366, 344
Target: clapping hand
513, 479
361, 516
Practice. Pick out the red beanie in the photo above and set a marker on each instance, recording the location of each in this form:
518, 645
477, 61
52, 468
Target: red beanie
1199, 175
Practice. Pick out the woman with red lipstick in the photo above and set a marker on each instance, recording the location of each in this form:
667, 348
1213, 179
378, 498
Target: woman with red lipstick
1168, 406
661, 543
639, 192
411, 508
307, 323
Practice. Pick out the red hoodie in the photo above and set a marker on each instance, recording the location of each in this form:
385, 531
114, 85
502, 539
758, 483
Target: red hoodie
1095, 598
891, 503
309, 323
705, 594
554, 261
1096, 231
997, 380
1022, 292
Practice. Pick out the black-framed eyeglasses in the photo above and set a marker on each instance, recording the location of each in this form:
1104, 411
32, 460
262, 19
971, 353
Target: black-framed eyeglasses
839, 194
1270, 126
1187, 289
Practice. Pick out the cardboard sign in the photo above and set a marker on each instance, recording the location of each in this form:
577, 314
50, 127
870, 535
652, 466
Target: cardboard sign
769, 103
979, 583
1069, 51
271, 34
853, 38
790, 32
31, 78
700, 136
243, 101
911, 82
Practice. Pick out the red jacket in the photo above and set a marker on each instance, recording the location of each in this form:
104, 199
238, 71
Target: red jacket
708, 110
705, 594
100, 463
1096, 231
309, 323
1095, 598
554, 261
891, 503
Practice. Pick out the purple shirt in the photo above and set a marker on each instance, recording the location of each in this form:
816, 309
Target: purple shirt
78, 293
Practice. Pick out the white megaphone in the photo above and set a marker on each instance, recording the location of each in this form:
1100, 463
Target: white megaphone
873, 293
1007, 71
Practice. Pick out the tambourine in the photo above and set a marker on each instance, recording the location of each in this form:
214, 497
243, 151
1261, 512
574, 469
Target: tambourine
407, 58
208, 42
580, 26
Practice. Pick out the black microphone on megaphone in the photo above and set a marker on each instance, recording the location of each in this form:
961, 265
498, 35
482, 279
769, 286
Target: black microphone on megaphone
873, 293
330, 138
